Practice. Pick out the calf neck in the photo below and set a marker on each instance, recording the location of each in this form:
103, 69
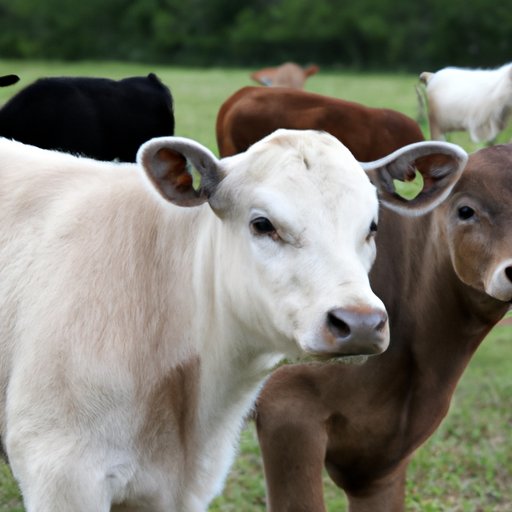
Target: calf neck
446, 280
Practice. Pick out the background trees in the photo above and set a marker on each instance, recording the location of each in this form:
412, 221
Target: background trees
367, 34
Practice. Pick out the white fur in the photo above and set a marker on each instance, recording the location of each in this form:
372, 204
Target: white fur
478, 101
108, 295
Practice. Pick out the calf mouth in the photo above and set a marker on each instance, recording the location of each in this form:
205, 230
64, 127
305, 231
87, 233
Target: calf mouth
355, 360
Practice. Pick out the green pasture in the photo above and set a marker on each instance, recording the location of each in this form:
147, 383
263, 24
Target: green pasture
467, 465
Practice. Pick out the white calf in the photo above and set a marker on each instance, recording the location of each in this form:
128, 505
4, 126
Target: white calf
478, 101
135, 332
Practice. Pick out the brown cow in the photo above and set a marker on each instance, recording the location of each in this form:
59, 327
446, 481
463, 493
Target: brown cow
446, 280
288, 74
254, 112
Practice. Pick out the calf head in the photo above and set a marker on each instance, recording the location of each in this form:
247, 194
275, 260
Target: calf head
295, 220
477, 220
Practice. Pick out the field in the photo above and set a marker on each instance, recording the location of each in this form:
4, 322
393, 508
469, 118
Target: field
467, 465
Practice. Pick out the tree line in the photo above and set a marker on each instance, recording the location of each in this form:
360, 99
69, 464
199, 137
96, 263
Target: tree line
359, 35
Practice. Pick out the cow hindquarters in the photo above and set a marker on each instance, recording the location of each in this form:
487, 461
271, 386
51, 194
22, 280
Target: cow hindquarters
435, 130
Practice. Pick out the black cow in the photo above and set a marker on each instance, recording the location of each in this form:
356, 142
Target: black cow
96, 117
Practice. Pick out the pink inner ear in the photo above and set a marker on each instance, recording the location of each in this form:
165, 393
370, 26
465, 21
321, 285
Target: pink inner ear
175, 173
428, 164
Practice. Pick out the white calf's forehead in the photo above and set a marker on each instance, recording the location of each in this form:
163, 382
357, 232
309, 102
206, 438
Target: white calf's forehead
291, 161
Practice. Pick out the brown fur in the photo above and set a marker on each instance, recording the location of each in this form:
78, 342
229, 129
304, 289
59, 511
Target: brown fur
253, 112
172, 402
365, 422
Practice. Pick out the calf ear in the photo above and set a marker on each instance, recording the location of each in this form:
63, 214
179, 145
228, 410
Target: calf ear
440, 165
168, 163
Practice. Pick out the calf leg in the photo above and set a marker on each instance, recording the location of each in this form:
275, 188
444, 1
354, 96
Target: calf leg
53, 493
293, 442
57, 482
435, 131
386, 495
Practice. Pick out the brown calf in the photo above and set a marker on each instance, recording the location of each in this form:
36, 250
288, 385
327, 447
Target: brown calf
446, 280
288, 74
254, 112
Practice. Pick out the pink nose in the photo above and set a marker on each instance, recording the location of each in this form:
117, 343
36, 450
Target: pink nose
357, 331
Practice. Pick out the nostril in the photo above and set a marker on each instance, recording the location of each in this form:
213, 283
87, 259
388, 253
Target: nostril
358, 330
381, 319
336, 325
508, 273
345, 323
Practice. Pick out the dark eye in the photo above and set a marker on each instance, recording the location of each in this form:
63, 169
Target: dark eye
262, 226
465, 212
372, 231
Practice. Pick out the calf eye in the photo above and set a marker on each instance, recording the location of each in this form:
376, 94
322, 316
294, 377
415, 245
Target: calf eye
372, 231
465, 212
262, 226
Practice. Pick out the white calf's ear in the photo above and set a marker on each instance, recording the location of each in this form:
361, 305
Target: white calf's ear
168, 163
437, 166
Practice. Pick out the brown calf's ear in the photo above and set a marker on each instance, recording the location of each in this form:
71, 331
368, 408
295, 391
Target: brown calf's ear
311, 70
430, 168
168, 163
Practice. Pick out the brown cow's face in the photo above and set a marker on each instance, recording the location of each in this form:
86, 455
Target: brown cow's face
479, 223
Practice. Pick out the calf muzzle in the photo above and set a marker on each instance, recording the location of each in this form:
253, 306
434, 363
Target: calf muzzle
357, 331
500, 284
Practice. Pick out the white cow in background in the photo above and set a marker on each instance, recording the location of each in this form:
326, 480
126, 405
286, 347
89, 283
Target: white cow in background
139, 316
478, 101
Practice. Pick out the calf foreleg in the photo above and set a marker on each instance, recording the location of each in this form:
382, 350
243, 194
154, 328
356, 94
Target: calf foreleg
59, 482
385, 495
293, 445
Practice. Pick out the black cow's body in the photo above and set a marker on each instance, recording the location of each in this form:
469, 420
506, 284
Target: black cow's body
96, 117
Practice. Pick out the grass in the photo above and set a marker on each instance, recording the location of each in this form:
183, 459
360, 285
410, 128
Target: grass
467, 465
